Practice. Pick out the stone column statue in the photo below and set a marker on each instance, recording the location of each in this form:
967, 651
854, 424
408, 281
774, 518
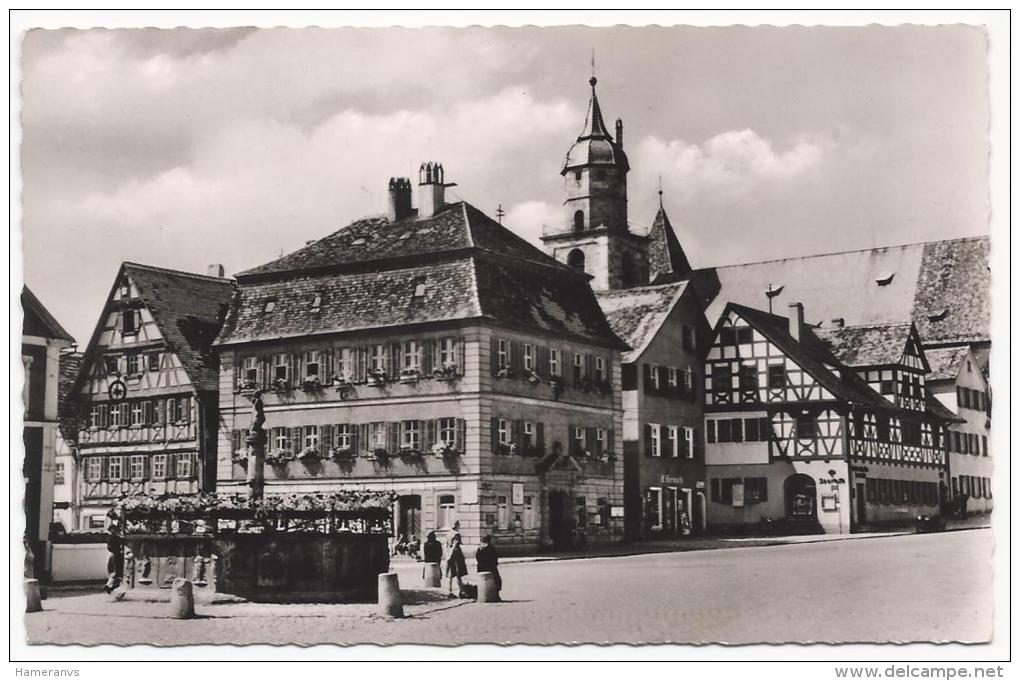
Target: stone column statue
256, 448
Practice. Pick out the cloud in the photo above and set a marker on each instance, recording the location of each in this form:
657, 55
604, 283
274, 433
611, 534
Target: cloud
733, 164
532, 219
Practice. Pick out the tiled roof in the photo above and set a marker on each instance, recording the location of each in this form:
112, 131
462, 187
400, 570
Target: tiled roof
189, 310
943, 280
594, 146
636, 314
813, 355
70, 365
871, 345
364, 243
469, 265
39, 321
665, 255
361, 300
945, 362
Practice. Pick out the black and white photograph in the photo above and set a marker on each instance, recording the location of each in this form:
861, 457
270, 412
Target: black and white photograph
626, 330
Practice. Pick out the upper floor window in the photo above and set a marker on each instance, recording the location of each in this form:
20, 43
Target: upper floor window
529, 357
446, 356
600, 369
448, 431
311, 364
281, 367
502, 353
133, 365
250, 370
575, 259
653, 375
412, 355
654, 443
578, 366
379, 357
58, 474
111, 365
777, 375
503, 431
721, 377
748, 376
153, 361
124, 289
673, 377
411, 436
807, 427
554, 362
578, 220
129, 322
529, 434
689, 339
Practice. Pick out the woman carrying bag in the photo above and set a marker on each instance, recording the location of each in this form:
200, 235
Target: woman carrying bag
456, 566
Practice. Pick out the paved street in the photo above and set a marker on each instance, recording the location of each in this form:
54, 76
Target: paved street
900, 588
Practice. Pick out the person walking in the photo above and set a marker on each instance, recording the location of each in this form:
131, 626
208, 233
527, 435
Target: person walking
456, 566
487, 560
115, 563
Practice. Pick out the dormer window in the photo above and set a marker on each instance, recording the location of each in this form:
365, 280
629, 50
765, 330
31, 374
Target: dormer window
419, 288
358, 241
269, 306
938, 316
885, 279
316, 302
124, 290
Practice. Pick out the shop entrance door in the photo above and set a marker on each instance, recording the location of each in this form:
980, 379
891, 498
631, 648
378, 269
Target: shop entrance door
558, 530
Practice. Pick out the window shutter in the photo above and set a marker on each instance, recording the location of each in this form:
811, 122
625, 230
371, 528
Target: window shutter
185, 409
459, 343
428, 356
517, 435
104, 467
125, 467
326, 439
393, 432
540, 436
589, 366
610, 441
395, 361
664, 380
516, 358
431, 428
461, 437
648, 379
146, 467
608, 378
327, 360
494, 356
542, 361
590, 443
238, 370
495, 434
296, 440
648, 438
364, 437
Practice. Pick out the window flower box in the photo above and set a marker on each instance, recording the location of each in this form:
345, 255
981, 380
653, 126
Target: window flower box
274, 460
281, 385
446, 372
339, 382
441, 449
311, 384
505, 372
409, 376
410, 453
309, 453
247, 385
380, 454
534, 378
337, 453
376, 377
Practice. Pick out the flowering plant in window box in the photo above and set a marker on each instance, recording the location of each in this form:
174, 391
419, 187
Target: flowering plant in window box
274, 459
533, 377
505, 372
311, 384
376, 377
410, 452
607, 457
442, 449
249, 384
338, 453
446, 372
281, 385
339, 381
409, 375
380, 454
309, 453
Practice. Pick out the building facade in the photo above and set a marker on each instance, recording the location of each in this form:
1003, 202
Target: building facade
42, 341
959, 380
432, 353
799, 439
147, 390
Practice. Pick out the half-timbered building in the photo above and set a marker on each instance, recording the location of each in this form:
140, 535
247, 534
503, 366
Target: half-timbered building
147, 390
432, 353
796, 436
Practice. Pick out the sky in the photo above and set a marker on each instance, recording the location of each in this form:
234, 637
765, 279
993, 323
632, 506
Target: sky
183, 147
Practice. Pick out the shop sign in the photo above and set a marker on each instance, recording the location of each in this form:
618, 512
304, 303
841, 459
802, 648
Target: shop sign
671, 480
616, 512
517, 493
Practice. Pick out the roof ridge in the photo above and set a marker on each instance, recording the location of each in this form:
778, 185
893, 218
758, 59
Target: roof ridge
647, 287
845, 252
167, 270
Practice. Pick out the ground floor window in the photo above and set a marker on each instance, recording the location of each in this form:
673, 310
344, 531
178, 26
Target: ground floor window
446, 511
653, 508
529, 513
502, 513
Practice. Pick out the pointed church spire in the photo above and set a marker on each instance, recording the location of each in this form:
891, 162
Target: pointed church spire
665, 255
594, 125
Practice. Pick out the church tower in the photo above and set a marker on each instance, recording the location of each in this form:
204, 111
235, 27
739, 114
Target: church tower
593, 235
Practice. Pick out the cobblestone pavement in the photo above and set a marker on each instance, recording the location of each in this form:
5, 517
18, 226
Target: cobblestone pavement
895, 588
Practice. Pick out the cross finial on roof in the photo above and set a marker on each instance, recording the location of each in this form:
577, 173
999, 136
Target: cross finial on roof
593, 79
660, 191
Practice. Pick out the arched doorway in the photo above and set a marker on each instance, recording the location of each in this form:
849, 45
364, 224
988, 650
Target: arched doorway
799, 491
576, 259
578, 220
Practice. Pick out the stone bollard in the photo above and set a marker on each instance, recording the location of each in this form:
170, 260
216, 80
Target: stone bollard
390, 603
433, 575
33, 599
182, 600
487, 592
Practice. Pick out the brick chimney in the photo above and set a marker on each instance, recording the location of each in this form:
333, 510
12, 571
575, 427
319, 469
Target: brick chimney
796, 320
215, 270
431, 189
400, 199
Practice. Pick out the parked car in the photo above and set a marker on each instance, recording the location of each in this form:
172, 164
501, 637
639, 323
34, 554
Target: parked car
929, 523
